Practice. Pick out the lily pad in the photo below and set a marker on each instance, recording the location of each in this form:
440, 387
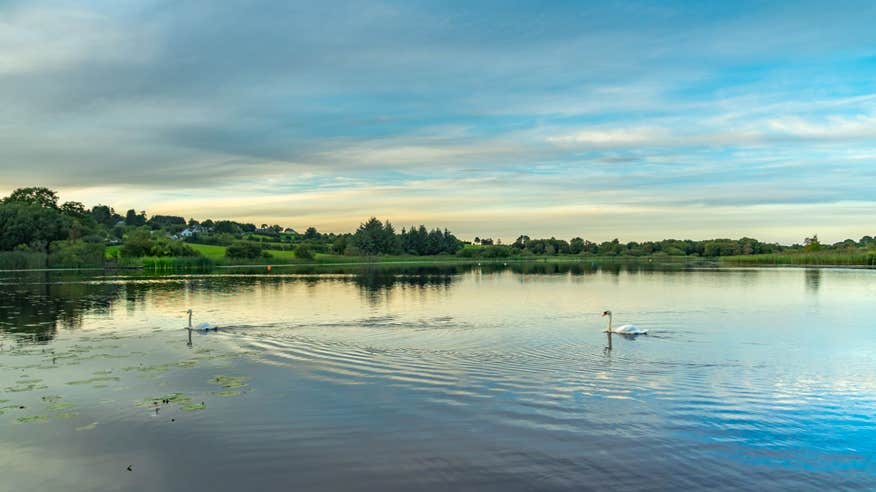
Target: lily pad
230, 382
28, 387
226, 394
60, 406
95, 380
33, 419
192, 407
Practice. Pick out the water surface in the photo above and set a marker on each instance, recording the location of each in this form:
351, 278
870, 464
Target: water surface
441, 378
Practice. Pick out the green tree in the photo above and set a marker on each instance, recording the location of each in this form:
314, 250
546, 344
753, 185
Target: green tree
138, 243
133, 219
812, 243
303, 252
74, 209
368, 238
34, 226
38, 196
103, 214
243, 249
311, 234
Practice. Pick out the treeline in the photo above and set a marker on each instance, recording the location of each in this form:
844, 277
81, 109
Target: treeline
374, 237
34, 222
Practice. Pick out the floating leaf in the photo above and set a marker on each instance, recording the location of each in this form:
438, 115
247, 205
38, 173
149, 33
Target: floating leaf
230, 382
33, 419
226, 394
60, 406
88, 427
95, 380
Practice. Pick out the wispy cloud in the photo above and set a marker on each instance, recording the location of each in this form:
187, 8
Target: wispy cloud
623, 119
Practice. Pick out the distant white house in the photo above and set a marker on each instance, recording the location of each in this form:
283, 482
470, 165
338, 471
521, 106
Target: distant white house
187, 233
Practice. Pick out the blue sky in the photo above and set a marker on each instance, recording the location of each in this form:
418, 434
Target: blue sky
637, 120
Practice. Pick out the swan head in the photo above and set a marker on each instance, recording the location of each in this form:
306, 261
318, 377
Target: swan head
606, 313
189, 311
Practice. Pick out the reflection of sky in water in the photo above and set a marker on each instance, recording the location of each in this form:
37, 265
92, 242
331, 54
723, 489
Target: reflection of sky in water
431, 377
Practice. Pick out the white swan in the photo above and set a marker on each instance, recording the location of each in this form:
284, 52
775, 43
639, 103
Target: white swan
203, 326
624, 329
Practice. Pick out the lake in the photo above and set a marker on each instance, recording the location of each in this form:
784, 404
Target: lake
440, 378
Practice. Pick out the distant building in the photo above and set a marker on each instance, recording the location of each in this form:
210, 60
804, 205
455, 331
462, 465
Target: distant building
266, 231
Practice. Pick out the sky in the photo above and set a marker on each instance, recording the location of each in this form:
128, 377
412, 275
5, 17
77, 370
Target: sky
635, 120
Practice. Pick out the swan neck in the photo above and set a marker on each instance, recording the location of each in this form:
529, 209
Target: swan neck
190, 319
609, 322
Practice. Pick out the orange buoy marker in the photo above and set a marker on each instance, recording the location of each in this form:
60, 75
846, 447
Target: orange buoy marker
269, 268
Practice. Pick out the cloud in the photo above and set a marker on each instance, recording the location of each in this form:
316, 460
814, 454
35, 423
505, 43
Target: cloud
478, 113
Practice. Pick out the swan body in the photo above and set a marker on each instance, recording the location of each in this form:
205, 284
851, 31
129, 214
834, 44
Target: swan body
202, 326
629, 330
624, 329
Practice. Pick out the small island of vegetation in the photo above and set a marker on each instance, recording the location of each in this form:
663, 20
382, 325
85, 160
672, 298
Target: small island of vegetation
37, 231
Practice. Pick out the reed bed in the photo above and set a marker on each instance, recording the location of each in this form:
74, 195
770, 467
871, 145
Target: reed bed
865, 258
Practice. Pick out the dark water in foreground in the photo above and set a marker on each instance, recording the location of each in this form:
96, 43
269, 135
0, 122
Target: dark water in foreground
440, 379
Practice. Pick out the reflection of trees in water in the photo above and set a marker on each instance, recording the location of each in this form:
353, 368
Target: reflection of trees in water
37, 303
813, 279
374, 283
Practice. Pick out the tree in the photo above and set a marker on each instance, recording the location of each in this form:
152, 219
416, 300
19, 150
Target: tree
138, 243
242, 249
103, 214
576, 246
812, 243
303, 252
311, 234
74, 209
165, 221
226, 227
339, 246
28, 224
38, 196
132, 218
520, 242
369, 237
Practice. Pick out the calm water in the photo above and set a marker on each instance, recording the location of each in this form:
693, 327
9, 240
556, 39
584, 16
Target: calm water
440, 379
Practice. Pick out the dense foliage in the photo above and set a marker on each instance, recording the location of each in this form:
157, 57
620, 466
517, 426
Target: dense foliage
143, 243
243, 249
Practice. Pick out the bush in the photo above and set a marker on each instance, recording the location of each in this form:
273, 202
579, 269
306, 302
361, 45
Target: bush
303, 252
140, 243
242, 249
76, 254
